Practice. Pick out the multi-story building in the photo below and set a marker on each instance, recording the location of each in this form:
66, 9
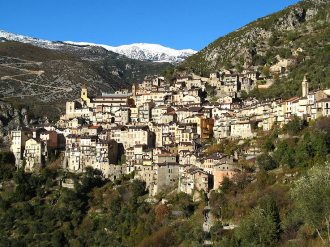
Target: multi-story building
35, 154
18, 143
165, 176
192, 178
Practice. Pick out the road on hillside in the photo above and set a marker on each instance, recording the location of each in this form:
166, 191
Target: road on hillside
30, 72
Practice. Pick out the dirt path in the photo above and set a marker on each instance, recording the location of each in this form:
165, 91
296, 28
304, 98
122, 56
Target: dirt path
30, 72
208, 219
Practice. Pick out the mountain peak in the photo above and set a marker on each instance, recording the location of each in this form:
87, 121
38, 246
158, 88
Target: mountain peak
137, 51
146, 52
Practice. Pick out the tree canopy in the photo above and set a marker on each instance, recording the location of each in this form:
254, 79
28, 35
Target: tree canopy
312, 194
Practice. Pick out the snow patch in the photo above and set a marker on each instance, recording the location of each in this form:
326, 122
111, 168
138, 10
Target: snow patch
137, 51
145, 51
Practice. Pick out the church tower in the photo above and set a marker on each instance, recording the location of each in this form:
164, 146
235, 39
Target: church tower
84, 96
84, 93
305, 86
133, 91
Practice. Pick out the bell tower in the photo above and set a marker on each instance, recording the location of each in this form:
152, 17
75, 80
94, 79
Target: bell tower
305, 86
84, 93
133, 91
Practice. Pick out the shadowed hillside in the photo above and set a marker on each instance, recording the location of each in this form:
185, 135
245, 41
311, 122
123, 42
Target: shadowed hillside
36, 76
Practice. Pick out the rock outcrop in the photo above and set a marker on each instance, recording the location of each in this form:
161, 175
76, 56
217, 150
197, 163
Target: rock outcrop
11, 118
254, 40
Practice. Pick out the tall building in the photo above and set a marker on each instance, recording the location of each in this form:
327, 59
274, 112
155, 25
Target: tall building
18, 140
305, 86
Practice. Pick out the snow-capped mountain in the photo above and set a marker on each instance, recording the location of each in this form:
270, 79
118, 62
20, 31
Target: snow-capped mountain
7, 36
139, 51
146, 52
153, 52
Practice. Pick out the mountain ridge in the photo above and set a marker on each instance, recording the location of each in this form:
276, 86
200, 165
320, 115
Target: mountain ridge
145, 52
129, 70
40, 77
299, 33
239, 46
136, 51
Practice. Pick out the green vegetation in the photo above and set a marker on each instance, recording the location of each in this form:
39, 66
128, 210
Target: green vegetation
279, 198
286, 201
226, 146
317, 71
312, 193
211, 91
36, 211
312, 35
260, 227
7, 165
169, 74
131, 71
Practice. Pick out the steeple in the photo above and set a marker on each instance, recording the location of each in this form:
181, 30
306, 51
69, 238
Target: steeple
305, 86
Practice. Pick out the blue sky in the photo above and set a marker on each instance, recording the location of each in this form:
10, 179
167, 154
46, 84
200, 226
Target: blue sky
172, 23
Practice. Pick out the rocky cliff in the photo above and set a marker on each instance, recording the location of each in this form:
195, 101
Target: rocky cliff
263, 38
11, 118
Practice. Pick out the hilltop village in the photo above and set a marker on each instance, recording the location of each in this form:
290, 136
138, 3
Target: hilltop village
158, 130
